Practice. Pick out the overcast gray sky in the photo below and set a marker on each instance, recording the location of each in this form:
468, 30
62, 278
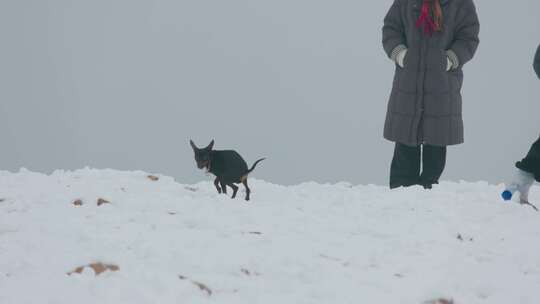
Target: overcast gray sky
124, 84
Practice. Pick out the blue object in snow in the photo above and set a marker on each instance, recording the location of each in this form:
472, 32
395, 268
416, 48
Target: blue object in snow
507, 195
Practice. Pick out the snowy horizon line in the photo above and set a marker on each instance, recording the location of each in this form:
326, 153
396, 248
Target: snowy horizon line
147, 173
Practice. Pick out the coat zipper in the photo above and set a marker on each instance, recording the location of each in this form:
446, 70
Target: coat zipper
420, 130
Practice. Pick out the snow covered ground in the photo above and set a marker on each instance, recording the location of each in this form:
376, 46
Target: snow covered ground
164, 242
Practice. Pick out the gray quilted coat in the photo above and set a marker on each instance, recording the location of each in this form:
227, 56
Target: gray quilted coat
425, 103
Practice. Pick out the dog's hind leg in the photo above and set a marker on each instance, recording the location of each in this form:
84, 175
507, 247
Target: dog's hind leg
223, 187
216, 183
234, 188
248, 191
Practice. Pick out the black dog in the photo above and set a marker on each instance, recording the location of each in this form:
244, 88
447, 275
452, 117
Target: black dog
228, 167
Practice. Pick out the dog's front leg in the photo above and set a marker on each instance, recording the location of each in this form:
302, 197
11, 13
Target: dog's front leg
216, 183
223, 188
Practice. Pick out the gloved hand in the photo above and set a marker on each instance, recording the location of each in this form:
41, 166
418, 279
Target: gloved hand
449, 64
452, 60
521, 183
400, 58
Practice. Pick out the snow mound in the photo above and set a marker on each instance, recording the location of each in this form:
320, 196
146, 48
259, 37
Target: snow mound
158, 241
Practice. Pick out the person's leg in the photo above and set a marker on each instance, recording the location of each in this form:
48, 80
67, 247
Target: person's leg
531, 163
405, 168
434, 161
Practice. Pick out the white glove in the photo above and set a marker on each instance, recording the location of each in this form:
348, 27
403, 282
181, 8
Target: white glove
400, 58
449, 64
522, 182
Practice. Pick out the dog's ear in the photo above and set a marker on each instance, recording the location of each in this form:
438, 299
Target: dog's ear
210, 146
193, 145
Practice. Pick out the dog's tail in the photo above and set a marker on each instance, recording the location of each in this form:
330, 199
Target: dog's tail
255, 165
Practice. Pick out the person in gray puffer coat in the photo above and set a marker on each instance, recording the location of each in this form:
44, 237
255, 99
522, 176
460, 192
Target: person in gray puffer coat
430, 41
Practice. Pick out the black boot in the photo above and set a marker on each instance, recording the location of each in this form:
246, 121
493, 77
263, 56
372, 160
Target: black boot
405, 170
434, 161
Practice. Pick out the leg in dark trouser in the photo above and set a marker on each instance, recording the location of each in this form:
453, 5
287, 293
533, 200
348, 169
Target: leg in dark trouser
531, 163
434, 161
405, 166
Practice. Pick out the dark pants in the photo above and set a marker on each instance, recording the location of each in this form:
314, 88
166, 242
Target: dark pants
407, 163
531, 163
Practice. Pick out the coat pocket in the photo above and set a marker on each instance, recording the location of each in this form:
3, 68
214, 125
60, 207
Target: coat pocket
455, 80
406, 60
437, 78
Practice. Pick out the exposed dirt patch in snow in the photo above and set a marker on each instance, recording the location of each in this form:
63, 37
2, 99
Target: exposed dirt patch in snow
200, 285
98, 268
153, 178
102, 201
440, 301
